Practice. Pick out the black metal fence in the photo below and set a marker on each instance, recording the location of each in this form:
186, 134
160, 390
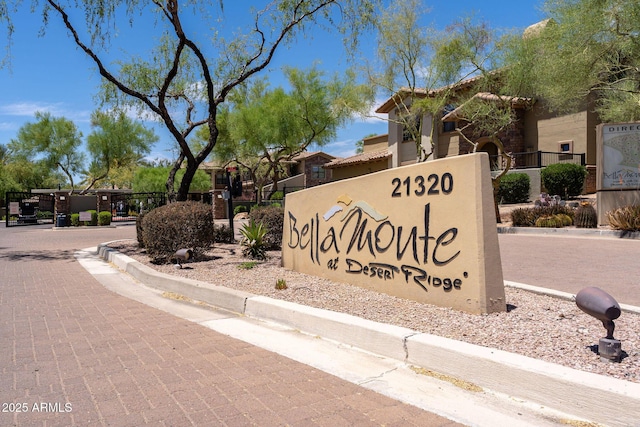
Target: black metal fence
537, 159
127, 206
26, 208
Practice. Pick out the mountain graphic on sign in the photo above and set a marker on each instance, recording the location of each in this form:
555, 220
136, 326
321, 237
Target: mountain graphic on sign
350, 206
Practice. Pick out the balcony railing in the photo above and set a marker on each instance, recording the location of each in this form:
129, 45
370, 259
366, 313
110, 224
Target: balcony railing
537, 159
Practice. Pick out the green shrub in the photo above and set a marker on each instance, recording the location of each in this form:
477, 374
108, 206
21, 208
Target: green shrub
586, 216
75, 220
527, 217
247, 265
564, 179
223, 234
94, 218
272, 217
45, 214
253, 245
626, 218
514, 188
238, 209
565, 219
549, 221
104, 218
277, 195
176, 226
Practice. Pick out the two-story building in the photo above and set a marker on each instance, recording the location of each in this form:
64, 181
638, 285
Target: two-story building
536, 139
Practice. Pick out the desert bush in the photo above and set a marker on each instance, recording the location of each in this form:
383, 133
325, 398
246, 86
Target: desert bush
252, 242
104, 218
564, 179
75, 220
139, 233
625, 218
514, 188
527, 217
272, 217
585, 216
223, 234
176, 226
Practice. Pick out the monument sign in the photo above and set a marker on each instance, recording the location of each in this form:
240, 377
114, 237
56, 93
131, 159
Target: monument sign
620, 156
618, 162
425, 232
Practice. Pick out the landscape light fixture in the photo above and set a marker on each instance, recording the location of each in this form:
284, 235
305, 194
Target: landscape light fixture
182, 255
599, 304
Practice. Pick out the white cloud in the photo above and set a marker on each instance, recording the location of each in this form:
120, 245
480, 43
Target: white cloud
5, 126
57, 109
371, 116
29, 108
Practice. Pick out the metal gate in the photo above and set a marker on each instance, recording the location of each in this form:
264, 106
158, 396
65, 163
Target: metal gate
127, 206
26, 208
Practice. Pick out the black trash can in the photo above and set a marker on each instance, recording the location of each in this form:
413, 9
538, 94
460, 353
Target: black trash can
61, 220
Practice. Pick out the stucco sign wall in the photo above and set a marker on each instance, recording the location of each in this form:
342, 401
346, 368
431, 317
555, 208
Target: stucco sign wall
424, 232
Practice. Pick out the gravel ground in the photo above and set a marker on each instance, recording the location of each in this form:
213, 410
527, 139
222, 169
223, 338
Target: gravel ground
541, 327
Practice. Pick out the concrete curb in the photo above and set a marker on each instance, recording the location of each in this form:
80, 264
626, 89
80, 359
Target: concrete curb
570, 232
585, 395
219, 296
563, 295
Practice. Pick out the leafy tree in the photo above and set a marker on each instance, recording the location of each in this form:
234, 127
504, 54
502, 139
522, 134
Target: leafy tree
23, 175
425, 71
116, 143
588, 48
187, 76
487, 110
268, 127
402, 52
54, 141
153, 179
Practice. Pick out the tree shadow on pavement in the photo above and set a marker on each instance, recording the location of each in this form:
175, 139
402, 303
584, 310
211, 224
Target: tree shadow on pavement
38, 255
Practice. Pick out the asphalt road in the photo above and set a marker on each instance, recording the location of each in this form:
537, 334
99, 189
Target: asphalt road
570, 264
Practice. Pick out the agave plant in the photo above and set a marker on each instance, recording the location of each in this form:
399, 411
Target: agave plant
253, 245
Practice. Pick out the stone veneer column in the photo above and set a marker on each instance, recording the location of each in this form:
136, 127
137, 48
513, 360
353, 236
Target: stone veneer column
219, 205
104, 201
63, 205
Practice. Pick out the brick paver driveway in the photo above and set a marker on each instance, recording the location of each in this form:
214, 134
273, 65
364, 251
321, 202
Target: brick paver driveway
74, 353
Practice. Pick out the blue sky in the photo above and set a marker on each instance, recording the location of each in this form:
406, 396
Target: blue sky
50, 74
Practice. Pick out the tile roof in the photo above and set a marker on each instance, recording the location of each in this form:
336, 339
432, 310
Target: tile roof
403, 92
368, 157
306, 155
514, 100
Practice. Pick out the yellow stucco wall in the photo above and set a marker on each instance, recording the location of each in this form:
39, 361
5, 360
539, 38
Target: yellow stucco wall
351, 171
425, 232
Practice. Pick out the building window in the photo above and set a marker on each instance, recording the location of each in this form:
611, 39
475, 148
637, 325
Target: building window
317, 172
448, 126
565, 146
221, 179
411, 127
